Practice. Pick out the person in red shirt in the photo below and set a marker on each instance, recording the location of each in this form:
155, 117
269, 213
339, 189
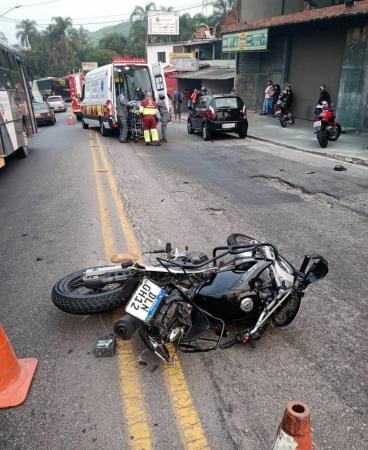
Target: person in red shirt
149, 110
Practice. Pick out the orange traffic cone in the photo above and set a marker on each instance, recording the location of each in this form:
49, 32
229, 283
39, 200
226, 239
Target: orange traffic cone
71, 120
15, 374
295, 428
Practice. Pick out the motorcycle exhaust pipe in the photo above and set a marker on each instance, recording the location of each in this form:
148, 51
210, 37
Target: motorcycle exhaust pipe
125, 327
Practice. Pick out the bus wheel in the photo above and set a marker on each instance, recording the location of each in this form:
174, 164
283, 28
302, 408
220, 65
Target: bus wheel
24, 150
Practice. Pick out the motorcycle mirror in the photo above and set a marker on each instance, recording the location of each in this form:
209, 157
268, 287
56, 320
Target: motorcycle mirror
317, 271
168, 247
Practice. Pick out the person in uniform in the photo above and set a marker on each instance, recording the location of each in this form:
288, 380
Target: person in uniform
149, 110
164, 113
122, 112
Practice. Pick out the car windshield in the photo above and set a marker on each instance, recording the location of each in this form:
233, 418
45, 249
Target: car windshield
40, 106
228, 102
54, 99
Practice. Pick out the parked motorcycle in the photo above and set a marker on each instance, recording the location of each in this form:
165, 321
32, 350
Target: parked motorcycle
325, 125
283, 114
188, 298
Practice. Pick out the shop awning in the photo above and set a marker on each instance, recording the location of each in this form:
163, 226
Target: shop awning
211, 73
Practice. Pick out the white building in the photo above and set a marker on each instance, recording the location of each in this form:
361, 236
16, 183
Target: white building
159, 52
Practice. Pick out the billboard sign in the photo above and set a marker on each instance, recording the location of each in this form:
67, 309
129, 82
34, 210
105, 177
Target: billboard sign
186, 62
86, 66
245, 41
163, 23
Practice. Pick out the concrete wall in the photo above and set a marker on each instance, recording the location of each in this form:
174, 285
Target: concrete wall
352, 106
152, 51
316, 58
251, 10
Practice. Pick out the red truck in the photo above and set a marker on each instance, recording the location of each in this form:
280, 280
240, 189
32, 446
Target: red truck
76, 81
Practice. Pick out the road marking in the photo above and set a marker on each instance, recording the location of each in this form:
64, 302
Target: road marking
187, 419
133, 402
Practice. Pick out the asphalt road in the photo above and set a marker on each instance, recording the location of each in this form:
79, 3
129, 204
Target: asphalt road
194, 193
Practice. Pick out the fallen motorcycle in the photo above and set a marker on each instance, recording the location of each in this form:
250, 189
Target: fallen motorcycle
188, 298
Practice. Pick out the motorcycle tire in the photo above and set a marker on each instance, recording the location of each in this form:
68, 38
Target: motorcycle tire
283, 121
322, 138
70, 296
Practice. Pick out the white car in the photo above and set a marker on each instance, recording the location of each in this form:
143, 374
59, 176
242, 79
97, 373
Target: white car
57, 103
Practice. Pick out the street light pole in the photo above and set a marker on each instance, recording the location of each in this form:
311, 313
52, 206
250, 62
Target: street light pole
9, 10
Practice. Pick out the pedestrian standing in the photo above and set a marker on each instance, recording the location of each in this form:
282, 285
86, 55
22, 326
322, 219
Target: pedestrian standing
193, 98
164, 113
122, 112
275, 97
177, 100
267, 103
149, 110
324, 96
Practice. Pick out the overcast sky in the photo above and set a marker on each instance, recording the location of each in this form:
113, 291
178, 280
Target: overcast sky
90, 13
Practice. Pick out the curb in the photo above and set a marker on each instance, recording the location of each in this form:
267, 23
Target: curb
338, 157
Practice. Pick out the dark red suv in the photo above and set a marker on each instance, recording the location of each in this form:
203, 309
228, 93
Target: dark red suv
218, 114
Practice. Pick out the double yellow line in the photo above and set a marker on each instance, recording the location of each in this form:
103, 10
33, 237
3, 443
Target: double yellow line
138, 428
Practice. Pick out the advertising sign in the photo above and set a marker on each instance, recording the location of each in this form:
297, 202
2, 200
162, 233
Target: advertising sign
163, 22
245, 41
186, 62
86, 66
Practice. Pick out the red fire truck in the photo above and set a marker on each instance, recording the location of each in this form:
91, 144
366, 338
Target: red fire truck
76, 81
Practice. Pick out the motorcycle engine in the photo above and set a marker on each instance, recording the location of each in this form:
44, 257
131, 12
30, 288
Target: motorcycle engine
173, 319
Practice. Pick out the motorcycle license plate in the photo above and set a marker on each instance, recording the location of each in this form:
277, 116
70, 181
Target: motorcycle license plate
317, 124
145, 301
228, 125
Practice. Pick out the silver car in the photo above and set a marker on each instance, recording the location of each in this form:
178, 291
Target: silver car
57, 103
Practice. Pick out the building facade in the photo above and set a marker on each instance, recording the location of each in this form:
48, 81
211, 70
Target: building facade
306, 48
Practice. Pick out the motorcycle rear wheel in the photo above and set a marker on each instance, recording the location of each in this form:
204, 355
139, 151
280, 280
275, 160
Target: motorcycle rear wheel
322, 138
71, 296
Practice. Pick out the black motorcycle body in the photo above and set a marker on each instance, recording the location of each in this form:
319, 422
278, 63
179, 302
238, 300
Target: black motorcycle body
188, 299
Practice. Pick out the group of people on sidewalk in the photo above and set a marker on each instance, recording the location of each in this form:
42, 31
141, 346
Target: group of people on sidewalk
273, 93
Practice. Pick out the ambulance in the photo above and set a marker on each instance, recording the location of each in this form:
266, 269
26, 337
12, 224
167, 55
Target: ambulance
103, 85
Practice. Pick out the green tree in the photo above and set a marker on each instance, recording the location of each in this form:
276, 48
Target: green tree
102, 55
221, 8
27, 33
114, 41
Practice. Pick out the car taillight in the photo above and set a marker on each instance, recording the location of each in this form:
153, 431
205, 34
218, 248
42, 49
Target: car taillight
211, 113
245, 114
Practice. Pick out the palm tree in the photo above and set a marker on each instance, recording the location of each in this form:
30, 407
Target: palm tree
27, 32
139, 13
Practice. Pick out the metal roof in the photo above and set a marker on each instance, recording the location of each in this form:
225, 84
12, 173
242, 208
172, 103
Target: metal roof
211, 73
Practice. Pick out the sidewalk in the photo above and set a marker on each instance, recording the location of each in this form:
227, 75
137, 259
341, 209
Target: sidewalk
350, 147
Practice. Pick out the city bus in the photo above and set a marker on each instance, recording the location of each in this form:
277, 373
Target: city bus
17, 122
53, 86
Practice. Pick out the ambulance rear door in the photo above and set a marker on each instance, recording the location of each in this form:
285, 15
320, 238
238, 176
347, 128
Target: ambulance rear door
159, 82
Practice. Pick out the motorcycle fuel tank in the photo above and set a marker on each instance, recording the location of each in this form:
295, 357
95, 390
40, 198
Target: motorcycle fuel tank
222, 293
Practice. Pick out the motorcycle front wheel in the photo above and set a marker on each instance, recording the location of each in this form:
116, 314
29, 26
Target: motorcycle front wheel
322, 138
283, 120
71, 295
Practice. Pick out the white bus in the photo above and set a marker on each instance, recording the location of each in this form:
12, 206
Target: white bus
17, 123
103, 85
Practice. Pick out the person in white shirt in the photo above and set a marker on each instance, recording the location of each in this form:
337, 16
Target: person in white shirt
267, 103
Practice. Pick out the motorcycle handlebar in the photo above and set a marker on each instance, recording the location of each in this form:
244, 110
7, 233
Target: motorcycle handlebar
231, 342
